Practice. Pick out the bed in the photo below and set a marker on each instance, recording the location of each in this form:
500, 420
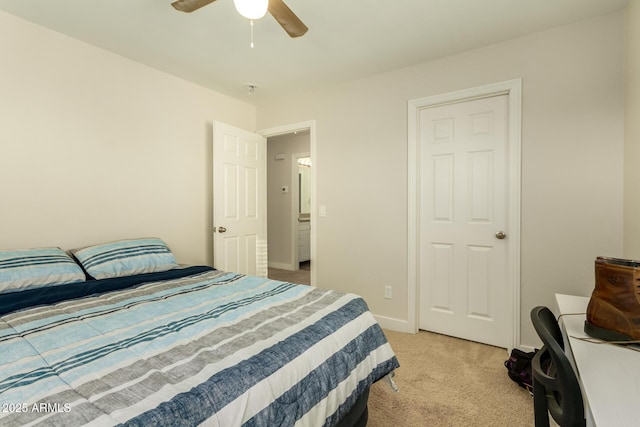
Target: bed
126, 336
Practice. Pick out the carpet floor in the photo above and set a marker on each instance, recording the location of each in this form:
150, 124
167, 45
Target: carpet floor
445, 381
442, 381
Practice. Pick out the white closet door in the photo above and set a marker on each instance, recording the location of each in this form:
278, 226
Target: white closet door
463, 219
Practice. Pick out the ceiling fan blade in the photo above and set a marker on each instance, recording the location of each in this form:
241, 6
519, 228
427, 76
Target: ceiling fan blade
285, 17
190, 5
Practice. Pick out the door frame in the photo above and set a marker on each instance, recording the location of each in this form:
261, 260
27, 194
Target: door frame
513, 89
296, 127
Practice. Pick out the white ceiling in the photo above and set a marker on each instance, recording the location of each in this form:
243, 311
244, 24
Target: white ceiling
347, 39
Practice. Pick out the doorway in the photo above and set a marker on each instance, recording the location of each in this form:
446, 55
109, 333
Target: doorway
464, 218
290, 202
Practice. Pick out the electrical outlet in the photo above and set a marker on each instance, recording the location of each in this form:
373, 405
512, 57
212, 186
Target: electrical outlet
387, 292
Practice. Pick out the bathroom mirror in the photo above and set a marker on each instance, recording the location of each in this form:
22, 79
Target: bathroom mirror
304, 181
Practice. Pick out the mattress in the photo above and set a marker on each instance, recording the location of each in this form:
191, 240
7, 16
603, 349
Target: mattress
193, 347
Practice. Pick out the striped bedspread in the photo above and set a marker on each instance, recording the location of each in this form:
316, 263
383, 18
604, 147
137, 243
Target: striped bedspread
214, 348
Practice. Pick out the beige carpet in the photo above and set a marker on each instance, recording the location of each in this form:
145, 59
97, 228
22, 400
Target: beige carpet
445, 381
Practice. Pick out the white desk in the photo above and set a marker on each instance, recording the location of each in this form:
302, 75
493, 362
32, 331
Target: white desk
609, 375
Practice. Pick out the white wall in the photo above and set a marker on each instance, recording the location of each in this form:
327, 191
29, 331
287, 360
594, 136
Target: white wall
572, 156
279, 208
632, 133
95, 147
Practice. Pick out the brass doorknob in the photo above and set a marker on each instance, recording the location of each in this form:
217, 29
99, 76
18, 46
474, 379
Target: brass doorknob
221, 229
501, 235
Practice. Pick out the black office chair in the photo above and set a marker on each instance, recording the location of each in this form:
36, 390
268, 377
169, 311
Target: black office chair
556, 390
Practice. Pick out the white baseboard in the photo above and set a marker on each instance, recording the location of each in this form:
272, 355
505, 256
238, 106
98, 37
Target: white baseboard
393, 324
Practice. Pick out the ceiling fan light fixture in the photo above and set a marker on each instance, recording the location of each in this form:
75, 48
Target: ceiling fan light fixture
252, 9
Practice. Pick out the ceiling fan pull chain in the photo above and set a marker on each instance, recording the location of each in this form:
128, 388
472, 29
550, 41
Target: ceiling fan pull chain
252, 34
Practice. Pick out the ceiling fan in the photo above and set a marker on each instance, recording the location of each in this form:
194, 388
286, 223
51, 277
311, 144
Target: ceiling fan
280, 11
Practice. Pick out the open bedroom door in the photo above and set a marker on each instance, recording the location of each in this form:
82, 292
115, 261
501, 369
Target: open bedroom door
239, 200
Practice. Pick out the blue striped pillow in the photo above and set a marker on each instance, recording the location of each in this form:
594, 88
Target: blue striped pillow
126, 258
32, 268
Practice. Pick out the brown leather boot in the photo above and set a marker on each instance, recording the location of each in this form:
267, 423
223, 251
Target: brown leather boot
613, 313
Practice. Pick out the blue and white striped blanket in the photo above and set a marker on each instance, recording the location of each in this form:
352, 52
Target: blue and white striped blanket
214, 348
